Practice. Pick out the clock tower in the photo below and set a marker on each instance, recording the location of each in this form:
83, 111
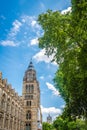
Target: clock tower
31, 98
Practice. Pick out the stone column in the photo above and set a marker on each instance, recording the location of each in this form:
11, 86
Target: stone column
19, 124
9, 122
4, 112
13, 124
0, 97
3, 125
1, 121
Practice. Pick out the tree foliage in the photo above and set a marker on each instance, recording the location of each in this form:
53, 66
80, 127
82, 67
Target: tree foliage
65, 35
47, 126
66, 124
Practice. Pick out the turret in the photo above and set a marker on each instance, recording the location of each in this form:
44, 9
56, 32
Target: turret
30, 74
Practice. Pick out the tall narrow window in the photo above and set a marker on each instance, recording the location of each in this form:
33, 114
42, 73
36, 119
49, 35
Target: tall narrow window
28, 115
28, 103
34, 76
28, 126
26, 88
8, 104
31, 88
3, 100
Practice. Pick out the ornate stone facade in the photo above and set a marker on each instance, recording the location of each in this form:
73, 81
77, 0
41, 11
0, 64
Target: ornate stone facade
11, 107
31, 97
21, 113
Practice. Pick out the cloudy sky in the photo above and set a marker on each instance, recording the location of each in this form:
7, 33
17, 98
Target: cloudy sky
19, 32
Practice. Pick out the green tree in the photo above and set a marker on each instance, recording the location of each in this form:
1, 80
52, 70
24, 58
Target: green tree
65, 36
47, 126
66, 124
60, 124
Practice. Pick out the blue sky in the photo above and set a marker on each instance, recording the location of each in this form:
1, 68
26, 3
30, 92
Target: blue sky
19, 32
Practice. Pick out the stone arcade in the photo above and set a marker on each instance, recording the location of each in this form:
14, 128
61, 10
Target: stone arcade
21, 112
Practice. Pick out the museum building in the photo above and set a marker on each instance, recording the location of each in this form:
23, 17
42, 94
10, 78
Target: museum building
21, 112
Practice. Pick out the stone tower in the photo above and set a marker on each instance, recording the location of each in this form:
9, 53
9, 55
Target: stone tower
31, 97
49, 119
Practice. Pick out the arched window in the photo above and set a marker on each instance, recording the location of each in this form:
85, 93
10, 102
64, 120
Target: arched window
30, 77
26, 88
34, 77
28, 126
32, 88
3, 100
8, 104
29, 88
12, 108
28, 115
28, 103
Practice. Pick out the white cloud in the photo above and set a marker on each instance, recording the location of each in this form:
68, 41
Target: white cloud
8, 43
51, 110
40, 56
23, 20
54, 90
28, 19
42, 77
33, 23
22, 31
69, 9
15, 29
34, 41
11, 36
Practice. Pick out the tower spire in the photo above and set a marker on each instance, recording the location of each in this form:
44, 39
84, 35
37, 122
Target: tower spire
31, 67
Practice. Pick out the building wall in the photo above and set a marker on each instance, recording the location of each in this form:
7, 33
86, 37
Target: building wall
31, 96
11, 110
21, 112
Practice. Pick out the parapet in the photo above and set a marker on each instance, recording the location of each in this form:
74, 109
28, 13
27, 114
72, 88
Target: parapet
4, 82
0, 75
8, 88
